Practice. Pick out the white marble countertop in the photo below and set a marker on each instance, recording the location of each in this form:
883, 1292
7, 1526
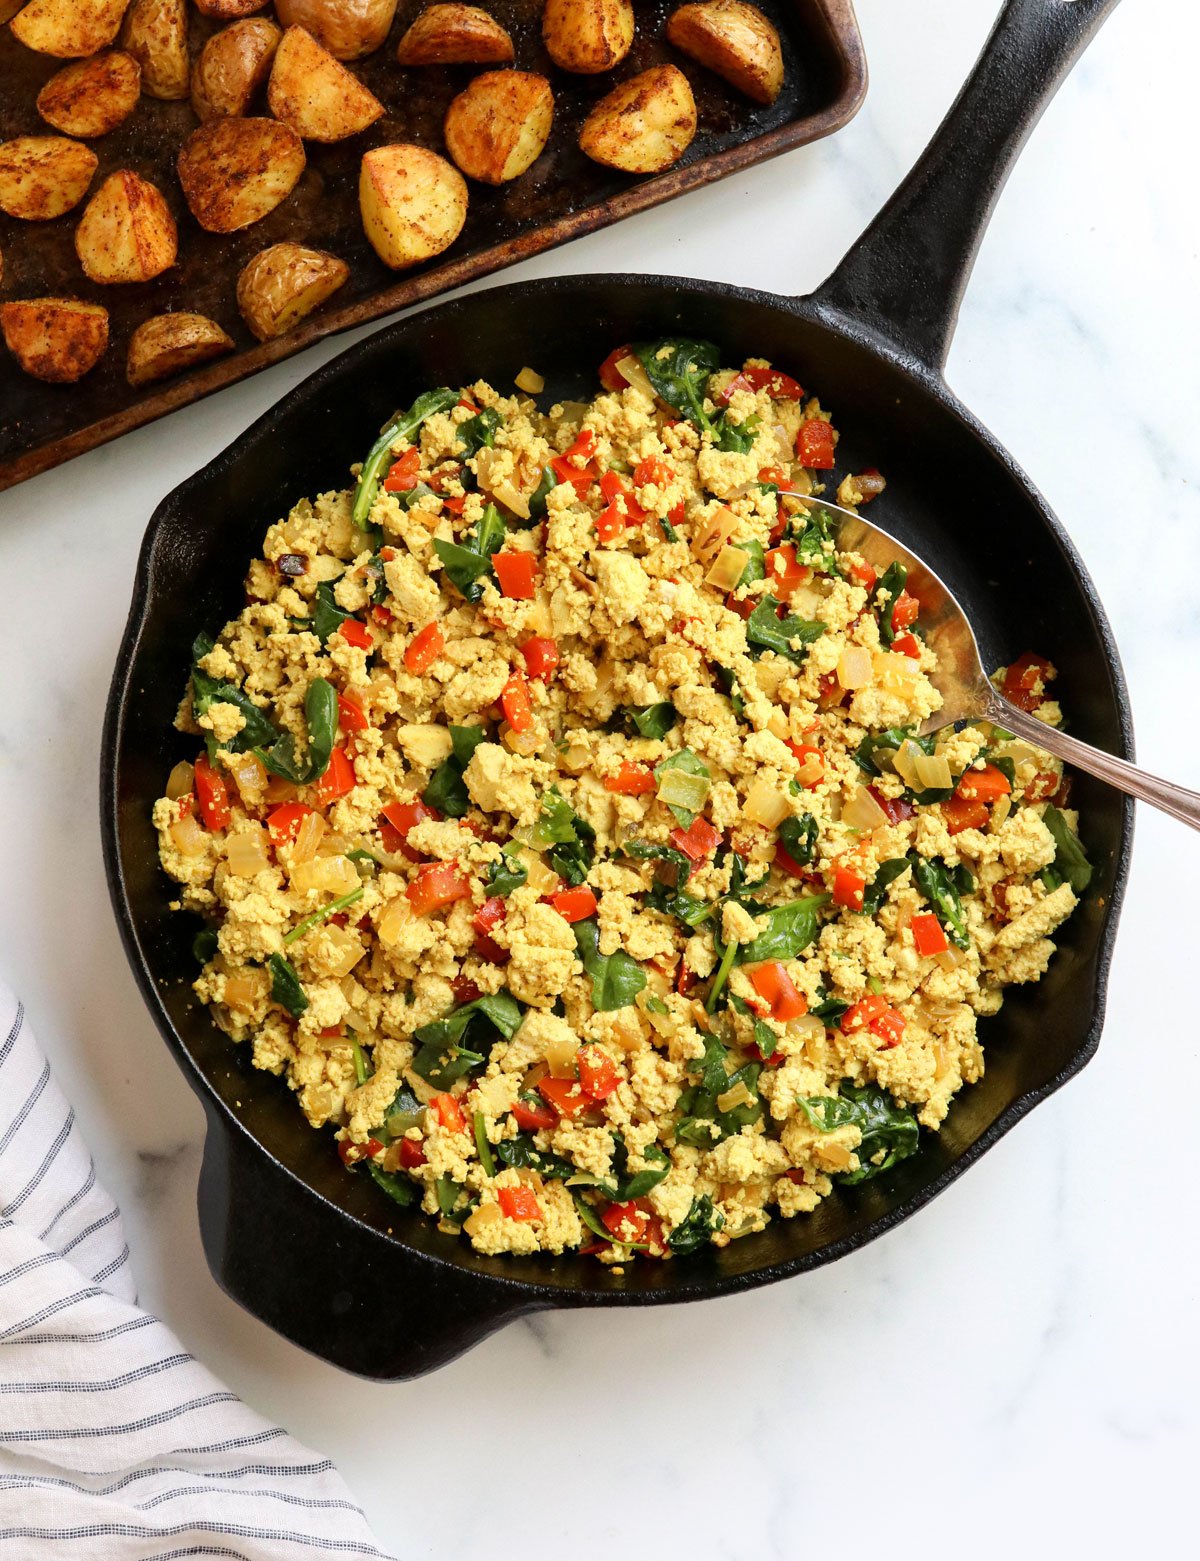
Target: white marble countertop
1029, 1336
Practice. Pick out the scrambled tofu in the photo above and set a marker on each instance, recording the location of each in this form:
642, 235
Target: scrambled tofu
559, 813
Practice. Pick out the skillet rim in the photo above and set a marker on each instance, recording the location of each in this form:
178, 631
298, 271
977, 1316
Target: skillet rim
513, 1296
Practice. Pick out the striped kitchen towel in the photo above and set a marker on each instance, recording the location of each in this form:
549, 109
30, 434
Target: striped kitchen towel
115, 1445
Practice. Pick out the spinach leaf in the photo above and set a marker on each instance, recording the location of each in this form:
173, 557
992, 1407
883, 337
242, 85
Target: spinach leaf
815, 542
400, 1189
321, 713
937, 883
403, 426
736, 437
447, 791
507, 874
598, 1228
327, 617
616, 978
285, 986
520, 1152
1070, 860
678, 865
830, 1009
886, 1127
404, 1112
679, 371
482, 1147
440, 1064
668, 530
701, 1224
468, 561
687, 761
454, 1201
649, 720
639, 1183
728, 953
571, 838
728, 684
798, 837
702, 1123
876, 890
788, 931
476, 432
204, 945
767, 631
764, 1037
889, 586
756, 565
208, 691
443, 1056
537, 499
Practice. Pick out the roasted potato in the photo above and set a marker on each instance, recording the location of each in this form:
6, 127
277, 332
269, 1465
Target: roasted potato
317, 96
68, 29
234, 171
93, 96
644, 125
166, 343
127, 232
55, 339
231, 67
413, 203
155, 32
43, 176
587, 36
347, 28
229, 10
735, 40
499, 124
455, 35
284, 283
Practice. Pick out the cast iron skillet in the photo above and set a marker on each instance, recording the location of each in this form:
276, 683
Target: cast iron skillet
320, 1255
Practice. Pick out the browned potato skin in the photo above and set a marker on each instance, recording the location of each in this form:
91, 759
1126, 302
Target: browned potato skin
155, 32
347, 28
68, 29
500, 124
231, 67
413, 203
235, 171
284, 283
127, 232
55, 339
91, 97
587, 36
43, 176
229, 10
735, 40
455, 35
167, 343
315, 94
644, 125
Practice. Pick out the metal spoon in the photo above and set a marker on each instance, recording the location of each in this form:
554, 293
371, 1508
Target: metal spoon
967, 692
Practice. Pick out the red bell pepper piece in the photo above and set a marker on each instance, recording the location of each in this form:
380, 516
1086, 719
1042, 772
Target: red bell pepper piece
448, 1113
652, 470
338, 779
848, 889
698, 841
575, 904
517, 574
487, 918
352, 1153
403, 475
437, 884
519, 1203
518, 711
784, 571
565, 1095
773, 984
284, 821
355, 633
533, 1115
814, 444
395, 821
928, 934
1025, 680
541, 657
631, 780
412, 1154
598, 1075
350, 715
610, 375
906, 610
424, 648
780, 386
985, 785
212, 795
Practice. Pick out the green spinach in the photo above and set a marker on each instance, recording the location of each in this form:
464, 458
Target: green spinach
787, 932
400, 1189
697, 1229
798, 837
889, 587
679, 370
327, 617
520, 1152
468, 561
444, 1057
208, 691
507, 874
943, 888
766, 630
876, 891
616, 978
447, 791
889, 1131
479, 431
1070, 860
402, 426
321, 713
285, 986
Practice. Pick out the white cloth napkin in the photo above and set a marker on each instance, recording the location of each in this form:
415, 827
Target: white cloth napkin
115, 1445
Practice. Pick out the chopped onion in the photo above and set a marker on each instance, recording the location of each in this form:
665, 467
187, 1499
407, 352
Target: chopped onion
528, 742
249, 776
393, 921
180, 780
739, 1095
329, 874
631, 369
245, 990
530, 381
349, 951
933, 771
765, 805
905, 762
711, 534
680, 789
561, 1057
246, 852
854, 668
951, 957
862, 811
486, 1214
778, 726
728, 568
540, 878
895, 672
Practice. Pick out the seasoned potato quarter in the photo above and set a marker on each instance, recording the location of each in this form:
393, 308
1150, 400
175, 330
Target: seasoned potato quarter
167, 343
155, 32
43, 176
284, 283
455, 35
413, 203
234, 171
644, 125
68, 29
315, 94
735, 40
499, 124
55, 339
230, 10
127, 232
347, 28
231, 67
587, 36
91, 97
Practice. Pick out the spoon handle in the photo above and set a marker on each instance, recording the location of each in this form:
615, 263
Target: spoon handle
1178, 801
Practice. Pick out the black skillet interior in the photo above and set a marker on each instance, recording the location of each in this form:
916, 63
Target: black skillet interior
309, 1248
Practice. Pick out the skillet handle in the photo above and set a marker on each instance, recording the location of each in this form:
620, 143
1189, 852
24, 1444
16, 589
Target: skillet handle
341, 1290
904, 278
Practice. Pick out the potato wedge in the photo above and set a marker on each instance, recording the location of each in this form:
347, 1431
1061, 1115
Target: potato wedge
167, 343
315, 94
231, 67
455, 35
499, 125
43, 176
55, 339
284, 283
91, 97
735, 40
347, 28
155, 32
127, 232
229, 10
644, 125
234, 171
587, 36
413, 203
69, 29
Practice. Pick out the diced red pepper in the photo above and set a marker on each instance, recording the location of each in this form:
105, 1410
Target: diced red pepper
284, 821
1025, 680
863, 574
610, 523
780, 386
906, 610
961, 813
412, 1153
848, 889
744, 606
738, 382
830, 693
985, 785
437, 884
456, 503
814, 444
698, 841
896, 809
1042, 787
626, 1221
784, 570
565, 1095
397, 819
580, 477
350, 715
575, 904
465, 990
532, 1116
212, 795
804, 753
403, 475
519, 1203
778, 478
613, 486
598, 1075
541, 657
788, 864
773, 984
424, 648
678, 514
873, 1013
652, 470
517, 574
518, 711
487, 918
631, 780
353, 1154
355, 633
908, 645
610, 375
383, 616
448, 1113
928, 934
339, 778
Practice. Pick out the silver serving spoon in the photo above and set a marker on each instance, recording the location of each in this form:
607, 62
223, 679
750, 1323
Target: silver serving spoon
967, 692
